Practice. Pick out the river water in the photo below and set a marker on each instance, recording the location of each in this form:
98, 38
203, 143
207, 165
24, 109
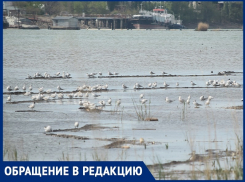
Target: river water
128, 52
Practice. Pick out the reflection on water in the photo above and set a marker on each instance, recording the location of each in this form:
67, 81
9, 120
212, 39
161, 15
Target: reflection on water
128, 53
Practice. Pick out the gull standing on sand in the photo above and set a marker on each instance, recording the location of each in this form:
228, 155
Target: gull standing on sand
68, 75
9, 98
57, 74
192, 83
46, 98
9, 88
142, 140
181, 100
59, 88
76, 124
143, 101
40, 89
207, 83
149, 85
48, 91
90, 75
124, 86
165, 85
110, 73
24, 87
87, 94
118, 102
138, 85
80, 94
60, 96
202, 98
32, 106
30, 88
53, 95
207, 102
63, 76
154, 85
151, 72
196, 104
48, 129
76, 94
27, 93
16, 88
109, 101
100, 73
102, 103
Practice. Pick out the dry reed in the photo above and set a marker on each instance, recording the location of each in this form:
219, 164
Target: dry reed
202, 26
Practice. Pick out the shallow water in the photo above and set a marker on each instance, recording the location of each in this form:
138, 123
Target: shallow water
183, 128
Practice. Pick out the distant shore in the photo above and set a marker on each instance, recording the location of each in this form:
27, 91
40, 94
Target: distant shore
227, 25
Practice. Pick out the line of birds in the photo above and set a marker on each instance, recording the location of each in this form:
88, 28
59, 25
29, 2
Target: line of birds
41, 96
46, 75
91, 106
49, 128
92, 88
222, 83
152, 85
92, 75
187, 101
80, 88
163, 73
30, 89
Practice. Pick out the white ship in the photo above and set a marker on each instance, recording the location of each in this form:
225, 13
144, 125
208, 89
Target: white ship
156, 19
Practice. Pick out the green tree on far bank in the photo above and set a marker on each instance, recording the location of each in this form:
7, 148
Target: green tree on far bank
205, 11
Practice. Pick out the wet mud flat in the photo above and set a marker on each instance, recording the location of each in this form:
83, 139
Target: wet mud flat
210, 161
85, 127
115, 142
168, 170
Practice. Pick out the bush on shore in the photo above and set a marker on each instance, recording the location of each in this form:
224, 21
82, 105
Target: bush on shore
202, 26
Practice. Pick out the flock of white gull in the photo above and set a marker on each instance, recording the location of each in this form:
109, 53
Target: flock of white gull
89, 89
92, 75
46, 75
